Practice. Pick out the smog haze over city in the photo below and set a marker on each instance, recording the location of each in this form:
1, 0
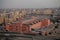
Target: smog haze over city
29, 3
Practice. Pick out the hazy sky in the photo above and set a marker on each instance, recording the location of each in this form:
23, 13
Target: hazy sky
29, 3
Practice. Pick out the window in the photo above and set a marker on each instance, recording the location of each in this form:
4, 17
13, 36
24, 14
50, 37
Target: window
33, 29
16, 19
